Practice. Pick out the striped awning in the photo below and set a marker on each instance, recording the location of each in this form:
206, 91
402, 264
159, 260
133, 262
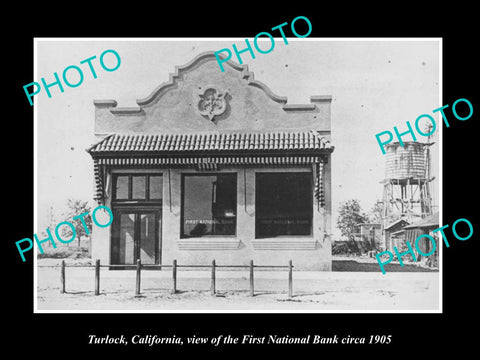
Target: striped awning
186, 161
209, 151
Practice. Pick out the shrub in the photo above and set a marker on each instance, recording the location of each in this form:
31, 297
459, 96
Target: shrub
63, 252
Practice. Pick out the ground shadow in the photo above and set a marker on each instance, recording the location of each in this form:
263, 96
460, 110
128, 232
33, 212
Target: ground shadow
308, 293
70, 292
160, 289
266, 292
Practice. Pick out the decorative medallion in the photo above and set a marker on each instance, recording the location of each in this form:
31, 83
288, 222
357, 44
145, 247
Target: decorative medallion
213, 102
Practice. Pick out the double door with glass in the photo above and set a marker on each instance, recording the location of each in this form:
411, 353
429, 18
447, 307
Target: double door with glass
136, 235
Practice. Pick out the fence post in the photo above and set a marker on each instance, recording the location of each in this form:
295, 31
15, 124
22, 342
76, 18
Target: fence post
97, 277
212, 285
251, 277
137, 282
62, 278
174, 274
290, 279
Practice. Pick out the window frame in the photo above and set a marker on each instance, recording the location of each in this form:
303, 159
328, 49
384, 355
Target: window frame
257, 237
182, 205
130, 199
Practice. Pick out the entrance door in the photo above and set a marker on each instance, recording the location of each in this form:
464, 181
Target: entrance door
136, 235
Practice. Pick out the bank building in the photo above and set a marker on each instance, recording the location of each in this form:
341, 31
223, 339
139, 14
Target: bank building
214, 165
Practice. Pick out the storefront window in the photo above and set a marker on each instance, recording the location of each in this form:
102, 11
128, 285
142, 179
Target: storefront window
209, 205
283, 204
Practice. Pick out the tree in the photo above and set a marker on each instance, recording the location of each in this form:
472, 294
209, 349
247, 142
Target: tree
350, 216
75, 208
52, 223
376, 214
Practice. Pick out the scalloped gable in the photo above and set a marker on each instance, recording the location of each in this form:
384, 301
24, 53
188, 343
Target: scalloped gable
208, 56
248, 104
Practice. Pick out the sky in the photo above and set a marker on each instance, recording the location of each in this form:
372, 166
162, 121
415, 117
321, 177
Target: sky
375, 84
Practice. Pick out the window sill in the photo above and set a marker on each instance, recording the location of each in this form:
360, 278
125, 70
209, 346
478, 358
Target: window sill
282, 243
208, 244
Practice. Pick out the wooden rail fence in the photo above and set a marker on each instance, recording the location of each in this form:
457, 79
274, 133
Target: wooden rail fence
138, 269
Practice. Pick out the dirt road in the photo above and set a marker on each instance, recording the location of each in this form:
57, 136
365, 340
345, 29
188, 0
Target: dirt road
312, 291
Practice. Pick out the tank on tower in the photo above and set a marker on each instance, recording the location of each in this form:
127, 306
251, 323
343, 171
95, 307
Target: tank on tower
407, 189
408, 161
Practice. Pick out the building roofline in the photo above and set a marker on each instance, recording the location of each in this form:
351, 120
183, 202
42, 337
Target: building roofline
246, 75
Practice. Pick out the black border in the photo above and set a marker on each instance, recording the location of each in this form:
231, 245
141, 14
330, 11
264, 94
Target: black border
413, 334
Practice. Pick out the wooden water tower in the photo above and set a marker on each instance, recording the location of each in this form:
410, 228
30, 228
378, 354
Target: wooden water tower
407, 190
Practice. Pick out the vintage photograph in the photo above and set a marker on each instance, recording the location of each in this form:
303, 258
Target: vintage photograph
169, 178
